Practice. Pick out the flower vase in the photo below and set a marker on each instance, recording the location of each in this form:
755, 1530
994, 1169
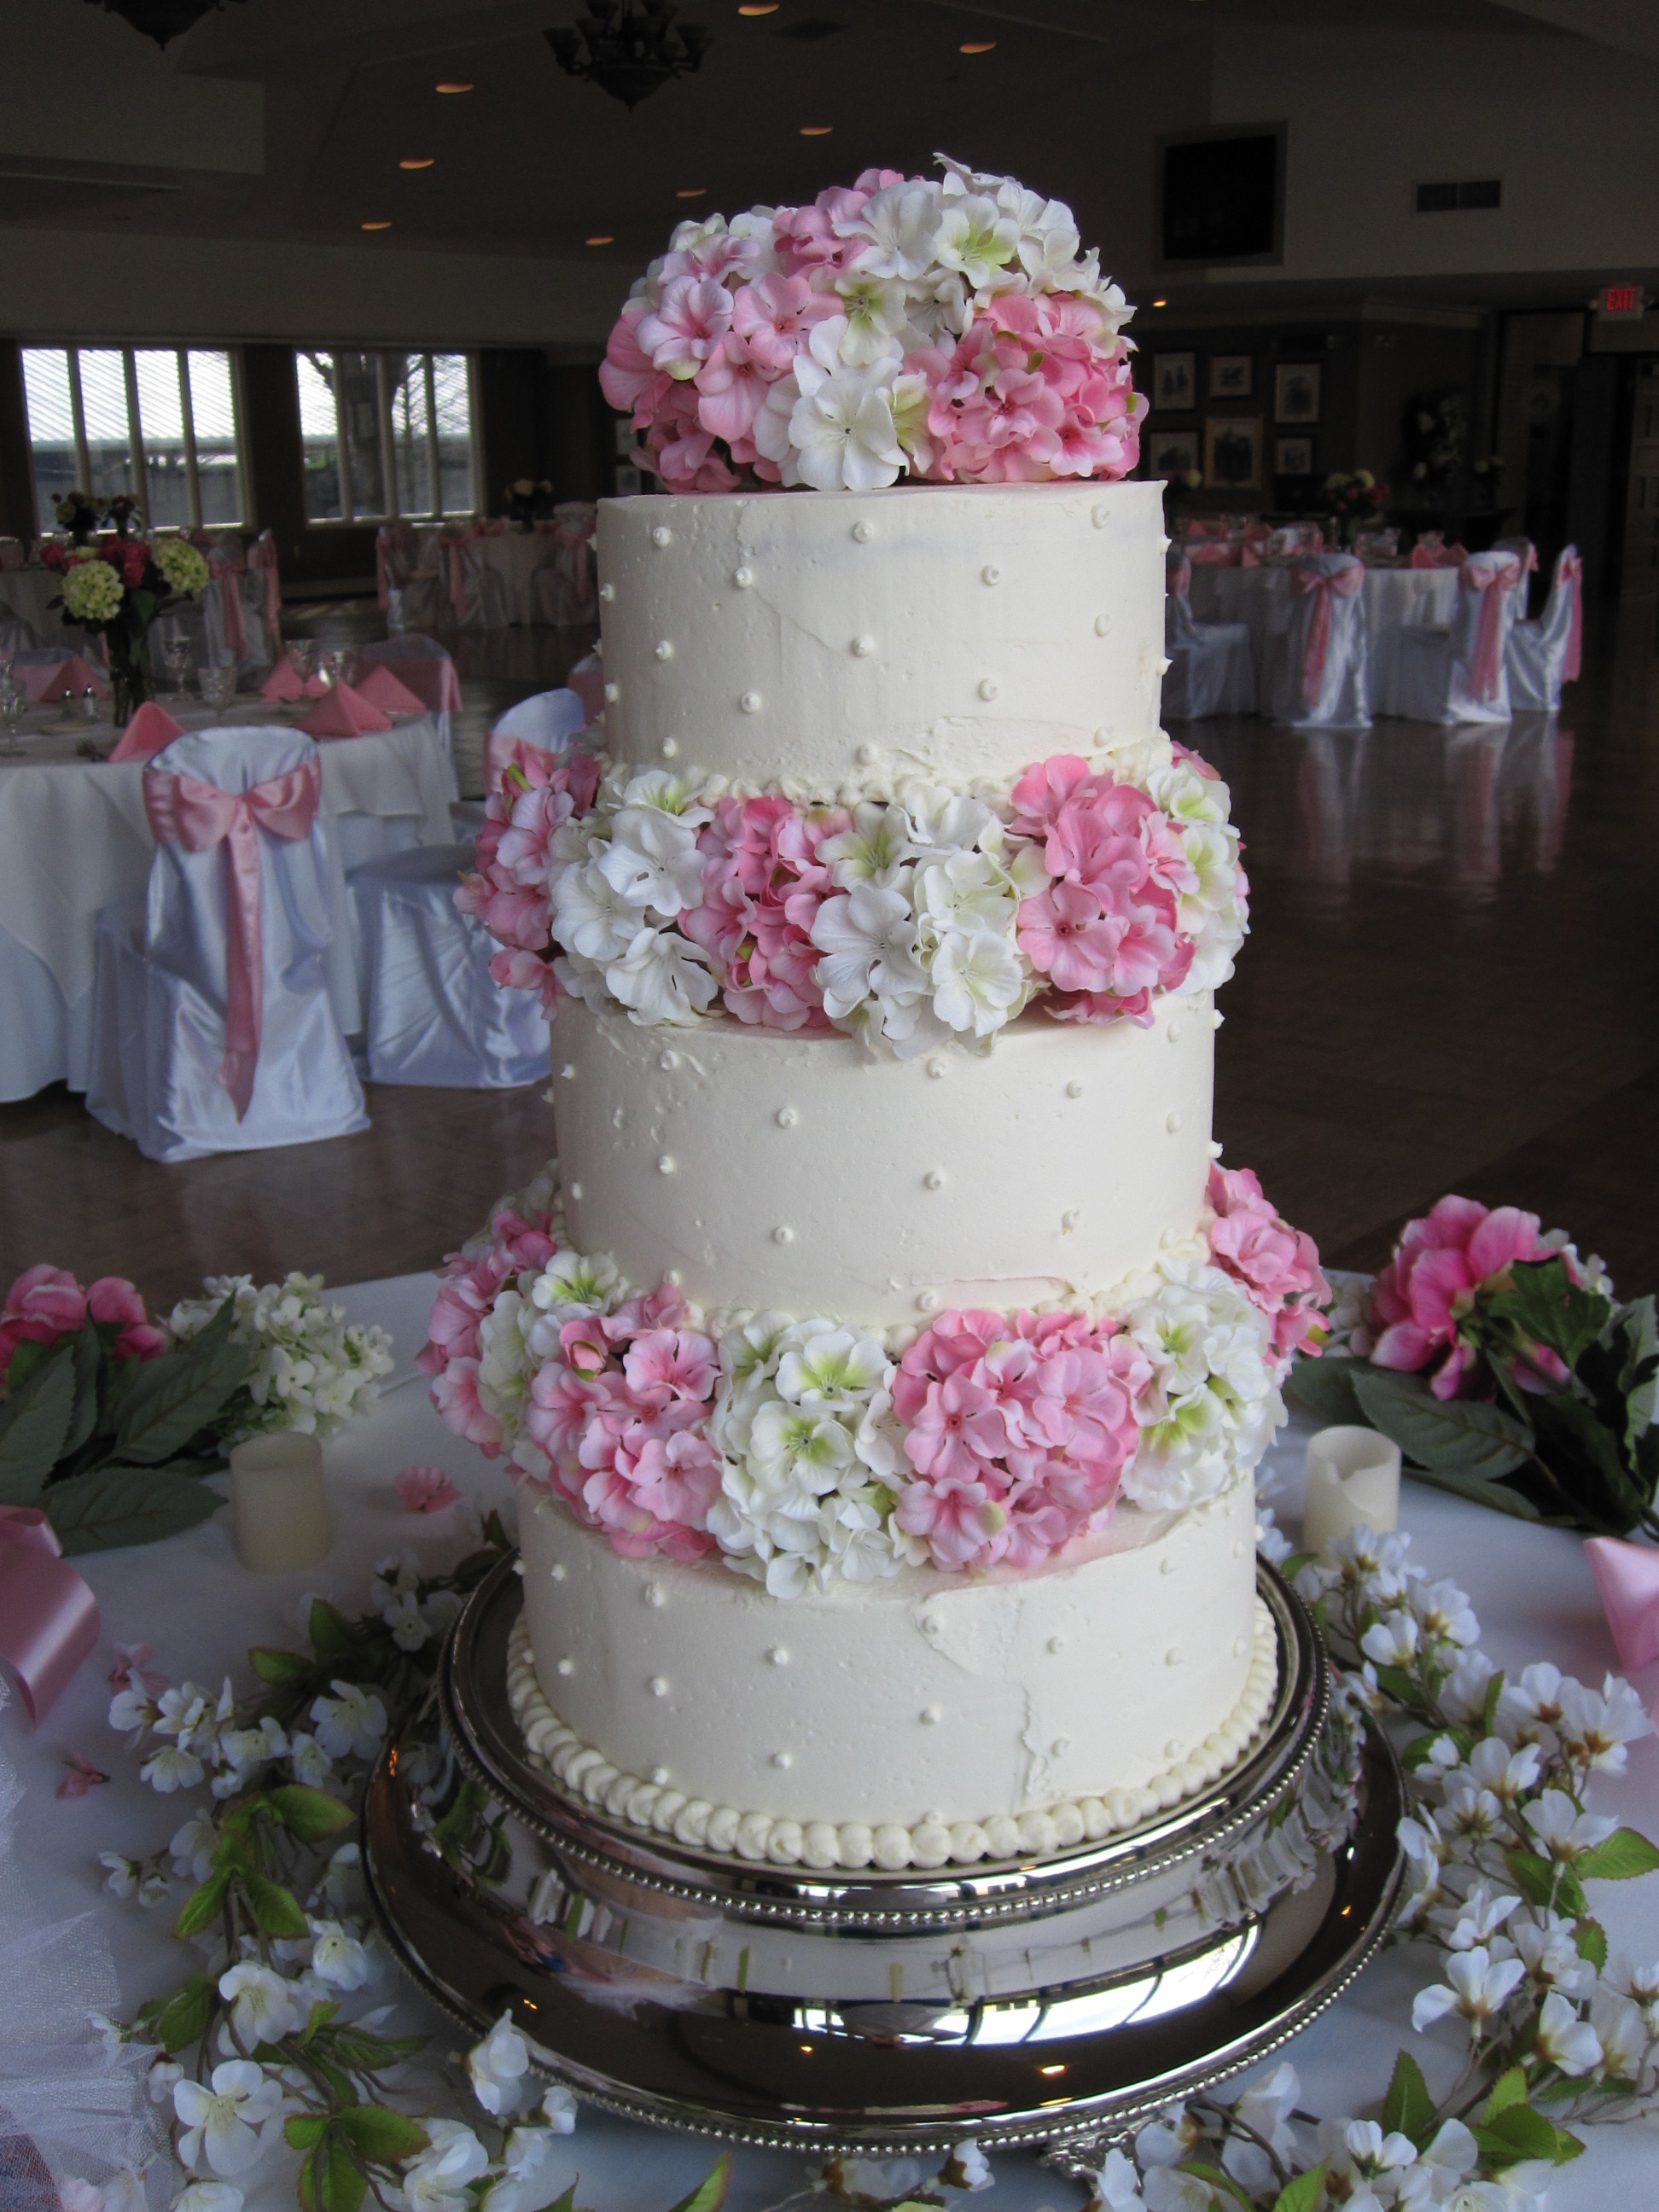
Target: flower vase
129, 675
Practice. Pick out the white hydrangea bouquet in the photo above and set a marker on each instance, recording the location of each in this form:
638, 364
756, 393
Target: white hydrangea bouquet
309, 1367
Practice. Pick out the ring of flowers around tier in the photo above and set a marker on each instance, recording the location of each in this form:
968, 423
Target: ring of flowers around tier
802, 1451
659, 1809
946, 331
934, 916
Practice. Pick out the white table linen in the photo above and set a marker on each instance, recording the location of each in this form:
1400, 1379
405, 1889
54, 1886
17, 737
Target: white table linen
1394, 599
189, 1598
73, 839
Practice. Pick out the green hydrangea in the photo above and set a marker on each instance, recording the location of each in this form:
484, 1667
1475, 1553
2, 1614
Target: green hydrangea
183, 567
93, 592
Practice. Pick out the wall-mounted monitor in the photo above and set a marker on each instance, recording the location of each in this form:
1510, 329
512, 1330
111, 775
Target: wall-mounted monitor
1221, 195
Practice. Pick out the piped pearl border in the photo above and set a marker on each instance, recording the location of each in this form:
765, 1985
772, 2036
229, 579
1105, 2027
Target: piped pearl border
586, 1773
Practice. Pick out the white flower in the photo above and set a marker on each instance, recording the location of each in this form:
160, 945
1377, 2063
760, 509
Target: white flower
208, 2196
559, 2110
967, 2168
180, 1712
161, 2079
350, 1724
1211, 1405
131, 1712
1546, 1947
123, 1877
1529, 1707
1478, 1918
975, 239
264, 2007
652, 861
1117, 2183
873, 316
591, 917
1443, 1614
978, 981
893, 233
438, 2180
224, 2121
868, 937
1594, 1728
1640, 1983
529, 2181
663, 978
153, 1890
576, 1283
311, 1763
1392, 1642
407, 1623
841, 428
1564, 1832
499, 2067
1622, 2032
1565, 2039
338, 1957
874, 851
1479, 1986
170, 1769
1265, 2106
1508, 1775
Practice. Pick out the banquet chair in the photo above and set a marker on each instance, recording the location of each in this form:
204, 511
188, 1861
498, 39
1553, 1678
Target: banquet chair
1543, 655
478, 594
15, 635
213, 1028
233, 620
435, 1014
410, 585
1211, 670
1457, 673
1315, 678
545, 722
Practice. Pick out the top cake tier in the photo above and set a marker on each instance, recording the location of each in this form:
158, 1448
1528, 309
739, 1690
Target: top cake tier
838, 644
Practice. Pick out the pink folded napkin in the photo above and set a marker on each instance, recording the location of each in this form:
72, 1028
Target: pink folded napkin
283, 683
150, 728
344, 714
1438, 557
381, 688
1210, 553
50, 679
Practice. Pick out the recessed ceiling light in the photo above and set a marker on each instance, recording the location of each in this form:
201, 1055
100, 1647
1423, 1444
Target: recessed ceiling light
376, 226
690, 191
976, 46
816, 130
1160, 303
418, 161
606, 240
453, 87
759, 8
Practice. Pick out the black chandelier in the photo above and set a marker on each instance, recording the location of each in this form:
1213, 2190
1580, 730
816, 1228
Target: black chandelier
629, 48
159, 19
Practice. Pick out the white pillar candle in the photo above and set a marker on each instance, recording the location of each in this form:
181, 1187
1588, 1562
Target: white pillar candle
1353, 1477
278, 1504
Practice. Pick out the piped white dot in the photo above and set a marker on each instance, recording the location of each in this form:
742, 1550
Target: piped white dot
778, 1655
782, 1759
744, 578
661, 536
575, 1190
659, 1685
668, 1061
929, 1302
612, 693
1173, 1122
556, 1573
665, 1164
936, 1069
787, 1117
653, 1595
1214, 1149
1166, 1564
930, 1716
1217, 1018
607, 593
568, 1070
1176, 1031
669, 748
863, 647
1101, 517
988, 687
934, 1178
1103, 623
1069, 1219
1172, 1749
1172, 1656
750, 702
1075, 1089
990, 574
866, 756
1241, 1645
1056, 1643
659, 1775
1060, 1747
863, 531
567, 1666
783, 1234
664, 648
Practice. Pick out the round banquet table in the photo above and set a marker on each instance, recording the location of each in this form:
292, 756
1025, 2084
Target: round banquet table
515, 556
190, 1599
1263, 598
28, 591
73, 839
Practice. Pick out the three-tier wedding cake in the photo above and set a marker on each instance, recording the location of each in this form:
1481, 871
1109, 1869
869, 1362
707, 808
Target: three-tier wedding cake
884, 1368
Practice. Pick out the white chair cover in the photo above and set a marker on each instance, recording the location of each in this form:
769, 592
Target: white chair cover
435, 1014
1542, 655
161, 981
15, 635
477, 595
1210, 669
546, 721
1316, 678
1459, 674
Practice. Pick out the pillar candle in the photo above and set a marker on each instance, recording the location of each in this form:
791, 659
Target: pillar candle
278, 1503
1353, 1477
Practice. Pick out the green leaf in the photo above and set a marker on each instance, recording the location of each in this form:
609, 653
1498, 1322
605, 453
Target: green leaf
310, 1814
1541, 1882
1301, 2192
1516, 2133
1509, 2088
1638, 1327
1324, 1388
173, 1399
362, 2051
1547, 1307
175, 2022
280, 1668
276, 1908
709, 2195
86, 1358
1408, 2109
330, 1633
25, 1360
330, 2180
1217, 2178
1590, 1940
1495, 1495
34, 1421
380, 2136
1626, 1854
305, 2130
117, 1505
200, 1908
1582, 1452
1453, 1435
319, 2016
1489, 1710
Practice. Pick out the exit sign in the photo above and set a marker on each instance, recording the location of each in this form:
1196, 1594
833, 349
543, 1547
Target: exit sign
1621, 303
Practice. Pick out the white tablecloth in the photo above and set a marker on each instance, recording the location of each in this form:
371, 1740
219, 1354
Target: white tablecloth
74, 840
514, 557
191, 1601
1263, 597
26, 592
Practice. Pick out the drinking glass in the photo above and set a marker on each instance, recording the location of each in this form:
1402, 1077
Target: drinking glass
337, 663
218, 686
176, 652
11, 711
302, 657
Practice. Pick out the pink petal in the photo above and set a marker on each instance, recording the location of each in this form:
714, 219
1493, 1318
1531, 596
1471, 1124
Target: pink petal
1405, 1347
424, 1490
1502, 1237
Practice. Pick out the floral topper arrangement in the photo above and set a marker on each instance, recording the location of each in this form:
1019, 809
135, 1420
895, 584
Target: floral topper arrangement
109, 1419
118, 587
1505, 1368
948, 332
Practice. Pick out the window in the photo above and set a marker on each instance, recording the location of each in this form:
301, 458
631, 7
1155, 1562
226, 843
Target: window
157, 421
385, 434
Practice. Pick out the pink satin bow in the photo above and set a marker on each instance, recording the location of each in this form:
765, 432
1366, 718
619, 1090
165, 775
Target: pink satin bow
184, 811
262, 557
1626, 1578
1492, 579
1570, 569
48, 1616
1346, 584
226, 563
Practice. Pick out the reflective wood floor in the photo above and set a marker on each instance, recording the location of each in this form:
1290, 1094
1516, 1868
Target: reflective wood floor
1450, 984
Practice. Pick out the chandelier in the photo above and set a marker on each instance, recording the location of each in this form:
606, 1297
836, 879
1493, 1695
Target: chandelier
159, 19
629, 48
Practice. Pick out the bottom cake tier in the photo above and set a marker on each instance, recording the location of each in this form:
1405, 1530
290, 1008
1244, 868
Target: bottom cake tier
917, 1721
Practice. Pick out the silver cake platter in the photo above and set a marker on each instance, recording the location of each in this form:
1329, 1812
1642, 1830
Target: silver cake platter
1044, 2000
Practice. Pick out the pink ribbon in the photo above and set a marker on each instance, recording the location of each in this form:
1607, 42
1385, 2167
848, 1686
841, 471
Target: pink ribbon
1492, 579
262, 555
1346, 584
48, 1616
1570, 569
184, 811
226, 563
383, 568
1626, 1578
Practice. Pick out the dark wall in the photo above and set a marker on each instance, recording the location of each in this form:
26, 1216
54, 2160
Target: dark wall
310, 555
546, 420
1334, 347
17, 475
1401, 362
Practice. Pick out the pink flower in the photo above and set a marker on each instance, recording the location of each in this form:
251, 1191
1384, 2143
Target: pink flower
689, 323
773, 317
132, 1666
733, 390
43, 1304
678, 1479
960, 1524
958, 1429
1277, 1265
627, 376
1065, 934
112, 1299
424, 1490
81, 1779
455, 1395
762, 886
1043, 790
461, 1303
665, 1364
1425, 1298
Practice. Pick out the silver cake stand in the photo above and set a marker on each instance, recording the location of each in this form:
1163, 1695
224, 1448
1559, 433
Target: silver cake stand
1052, 2001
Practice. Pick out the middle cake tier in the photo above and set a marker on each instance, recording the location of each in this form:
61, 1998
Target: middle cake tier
764, 1169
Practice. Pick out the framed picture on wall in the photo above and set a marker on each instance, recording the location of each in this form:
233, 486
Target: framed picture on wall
1171, 452
1293, 457
1295, 391
1175, 381
1232, 376
1232, 453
